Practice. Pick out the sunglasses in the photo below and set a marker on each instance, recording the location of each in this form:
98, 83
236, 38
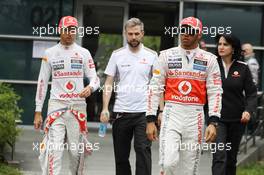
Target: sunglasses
189, 31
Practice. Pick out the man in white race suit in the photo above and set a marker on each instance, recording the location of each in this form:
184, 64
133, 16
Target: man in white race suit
189, 74
67, 63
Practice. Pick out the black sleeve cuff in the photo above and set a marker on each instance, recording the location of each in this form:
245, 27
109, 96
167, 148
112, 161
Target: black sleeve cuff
151, 118
251, 112
214, 119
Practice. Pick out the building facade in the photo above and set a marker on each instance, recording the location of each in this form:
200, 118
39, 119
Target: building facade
25, 23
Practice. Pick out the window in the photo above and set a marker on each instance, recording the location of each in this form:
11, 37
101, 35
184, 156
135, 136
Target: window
17, 62
157, 17
19, 17
245, 21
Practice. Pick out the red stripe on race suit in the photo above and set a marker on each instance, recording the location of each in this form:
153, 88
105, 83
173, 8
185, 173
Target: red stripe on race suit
200, 125
216, 107
149, 99
81, 118
51, 118
185, 91
51, 158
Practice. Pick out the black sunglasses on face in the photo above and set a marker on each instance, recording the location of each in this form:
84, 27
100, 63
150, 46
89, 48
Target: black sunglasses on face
189, 31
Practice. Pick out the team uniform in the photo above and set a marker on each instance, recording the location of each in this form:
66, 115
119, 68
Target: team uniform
66, 120
187, 76
132, 72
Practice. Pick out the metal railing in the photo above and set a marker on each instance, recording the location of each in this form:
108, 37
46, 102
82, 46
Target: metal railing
257, 125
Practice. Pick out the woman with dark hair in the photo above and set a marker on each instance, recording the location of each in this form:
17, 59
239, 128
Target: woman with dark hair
239, 101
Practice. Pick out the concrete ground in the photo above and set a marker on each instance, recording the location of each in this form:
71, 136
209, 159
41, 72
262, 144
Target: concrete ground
100, 163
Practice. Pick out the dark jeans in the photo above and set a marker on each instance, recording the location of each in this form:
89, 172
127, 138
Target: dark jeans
124, 128
224, 161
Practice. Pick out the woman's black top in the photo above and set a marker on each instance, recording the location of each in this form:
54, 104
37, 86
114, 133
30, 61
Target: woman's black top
239, 91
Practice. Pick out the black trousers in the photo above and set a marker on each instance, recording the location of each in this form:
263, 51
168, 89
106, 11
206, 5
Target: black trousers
224, 160
124, 128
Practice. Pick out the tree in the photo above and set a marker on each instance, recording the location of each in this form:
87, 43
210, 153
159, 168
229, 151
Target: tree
9, 113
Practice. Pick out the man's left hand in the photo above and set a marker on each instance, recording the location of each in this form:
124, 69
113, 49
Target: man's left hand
210, 133
245, 117
86, 92
151, 131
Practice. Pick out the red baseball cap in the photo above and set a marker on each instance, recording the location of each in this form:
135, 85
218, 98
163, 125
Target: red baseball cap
193, 22
67, 21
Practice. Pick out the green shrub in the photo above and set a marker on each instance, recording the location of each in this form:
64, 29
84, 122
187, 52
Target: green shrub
252, 169
7, 170
9, 112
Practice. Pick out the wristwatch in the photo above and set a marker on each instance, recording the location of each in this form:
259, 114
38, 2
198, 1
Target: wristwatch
214, 123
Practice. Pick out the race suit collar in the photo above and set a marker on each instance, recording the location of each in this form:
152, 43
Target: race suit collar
189, 54
66, 47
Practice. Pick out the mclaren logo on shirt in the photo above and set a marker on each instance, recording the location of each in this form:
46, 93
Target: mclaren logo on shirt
143, 61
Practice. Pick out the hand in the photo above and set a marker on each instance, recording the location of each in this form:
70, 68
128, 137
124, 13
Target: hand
104, 117
151, 131
210, 133
245, 117
86, 92
159, 118
37, 120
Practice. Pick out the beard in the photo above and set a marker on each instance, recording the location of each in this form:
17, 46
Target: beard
133, 43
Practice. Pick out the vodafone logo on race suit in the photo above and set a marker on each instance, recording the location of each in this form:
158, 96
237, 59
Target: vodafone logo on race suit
70, 86
185, 87
185, 91
72, 95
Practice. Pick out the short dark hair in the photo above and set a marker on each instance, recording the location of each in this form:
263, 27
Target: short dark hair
234, 42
